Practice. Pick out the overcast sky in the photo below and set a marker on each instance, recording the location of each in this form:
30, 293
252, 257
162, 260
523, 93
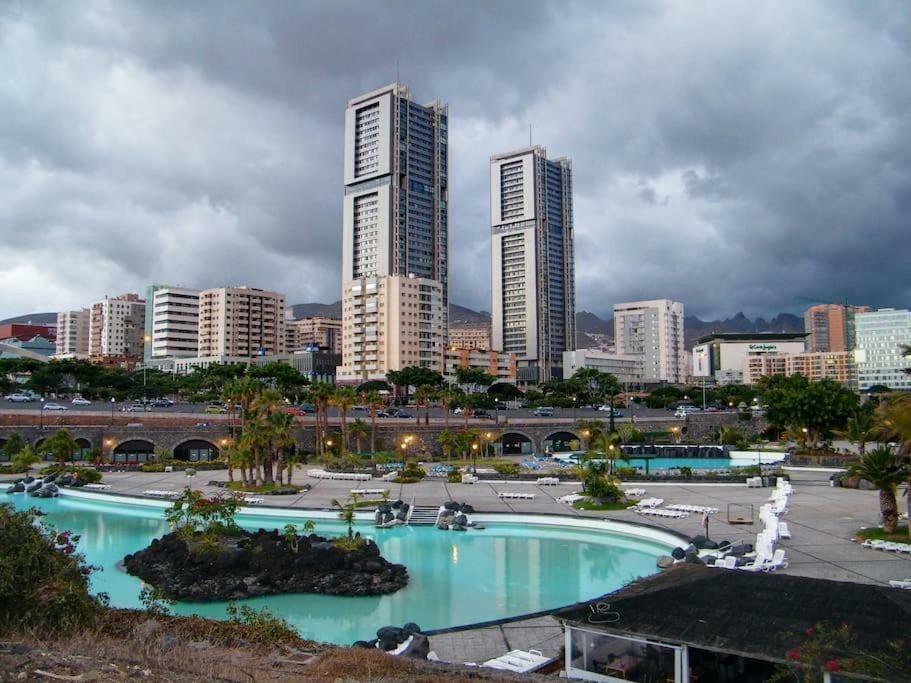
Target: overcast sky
732, 155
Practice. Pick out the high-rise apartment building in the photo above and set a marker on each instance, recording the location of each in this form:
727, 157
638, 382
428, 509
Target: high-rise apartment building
171, 322
395, 212
325, 333
881, 340
389, 323
469, 336
116, 328
654, 330
831, 327
532, 268
242, 322
73, 333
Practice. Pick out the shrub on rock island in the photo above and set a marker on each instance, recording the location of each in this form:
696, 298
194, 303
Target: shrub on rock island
192, 512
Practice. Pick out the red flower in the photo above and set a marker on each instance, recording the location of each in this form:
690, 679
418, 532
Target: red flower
810, 631
793, 654
831, 665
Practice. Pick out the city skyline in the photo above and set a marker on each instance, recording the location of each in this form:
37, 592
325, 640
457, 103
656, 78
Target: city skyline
177, 159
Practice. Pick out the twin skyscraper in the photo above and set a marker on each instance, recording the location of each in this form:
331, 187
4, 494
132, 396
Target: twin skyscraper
395, 245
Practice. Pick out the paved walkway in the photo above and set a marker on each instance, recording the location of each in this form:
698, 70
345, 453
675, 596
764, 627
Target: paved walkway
822, 521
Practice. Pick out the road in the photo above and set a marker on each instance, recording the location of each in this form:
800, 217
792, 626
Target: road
435, 413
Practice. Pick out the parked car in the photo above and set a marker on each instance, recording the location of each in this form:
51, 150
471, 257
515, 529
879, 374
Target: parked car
683, 411
215, 409
481, 414
607, 409
19, 398
138, 408
384, 413
307, 408
544, 411
458, 410
359, 409
79, 401
403, 415
294, 410
161, 403
54, 406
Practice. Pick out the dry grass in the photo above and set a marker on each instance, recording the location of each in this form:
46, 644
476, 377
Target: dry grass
361, 664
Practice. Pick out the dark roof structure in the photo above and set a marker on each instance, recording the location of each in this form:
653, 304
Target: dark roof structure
758, 337
757, 615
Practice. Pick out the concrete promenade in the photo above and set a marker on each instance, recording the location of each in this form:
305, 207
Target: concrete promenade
822, 521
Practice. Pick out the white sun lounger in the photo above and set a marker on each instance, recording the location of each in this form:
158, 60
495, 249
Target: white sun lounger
252, 500
514, 495
778, 561
634, 493
367, 492
650, 502
469, 479
155, 493
547, 481
570, 499
518, 661
783, 530
97, 487
728, 562
906, 584
391, 476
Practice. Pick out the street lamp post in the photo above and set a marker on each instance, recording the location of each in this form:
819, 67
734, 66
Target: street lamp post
41, 414
574, 408
474, 456
496, 410
113, 402
487, 444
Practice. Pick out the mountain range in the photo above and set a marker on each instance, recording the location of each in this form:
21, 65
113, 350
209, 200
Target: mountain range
587, 323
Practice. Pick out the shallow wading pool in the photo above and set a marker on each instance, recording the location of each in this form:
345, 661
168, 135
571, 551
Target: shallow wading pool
505, 570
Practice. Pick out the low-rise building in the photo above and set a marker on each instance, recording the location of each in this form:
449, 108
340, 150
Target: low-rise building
26, 331
628, 368
36, 348
497, 364
723, 355
465, 336
171, 322
319, 332
838, 366
882, 337
316, 364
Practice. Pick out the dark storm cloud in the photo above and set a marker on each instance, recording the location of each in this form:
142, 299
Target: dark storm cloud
732, 156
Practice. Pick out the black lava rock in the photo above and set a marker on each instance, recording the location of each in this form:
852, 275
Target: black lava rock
678, 553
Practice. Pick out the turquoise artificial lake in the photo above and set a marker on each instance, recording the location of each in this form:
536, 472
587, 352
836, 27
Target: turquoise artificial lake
456, 579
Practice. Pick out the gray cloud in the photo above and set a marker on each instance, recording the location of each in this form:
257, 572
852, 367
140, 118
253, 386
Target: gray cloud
732, 156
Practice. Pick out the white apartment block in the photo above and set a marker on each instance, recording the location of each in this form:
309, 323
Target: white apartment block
881, 336
653, 330
532, 261
389, 323
325, 333
241, 321
627, 368
172, 322
73, 333
116, 327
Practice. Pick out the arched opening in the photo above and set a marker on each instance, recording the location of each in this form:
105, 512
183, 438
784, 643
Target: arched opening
561, 442
513, 443
196, 450
84, 452
42, 452
136, 450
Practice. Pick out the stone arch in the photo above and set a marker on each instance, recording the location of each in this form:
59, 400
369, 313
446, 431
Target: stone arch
561, 441
514, 443
39, 443
196, 450
84, 452
133, 451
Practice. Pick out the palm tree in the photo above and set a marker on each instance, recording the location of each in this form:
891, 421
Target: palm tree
237, 456
423, 395
240, 392
282, 437
344, 399
265, 407
346, 513
358, 430
883, 468
374, 402
449, 443
319, 394
62, 445
592, 432
860, 429
895, 424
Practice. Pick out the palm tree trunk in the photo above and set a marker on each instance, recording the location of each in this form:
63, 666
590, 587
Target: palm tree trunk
427, 414
373, 430
230, 471
280, 465
267, 470
257, 468
343, 417
889, 509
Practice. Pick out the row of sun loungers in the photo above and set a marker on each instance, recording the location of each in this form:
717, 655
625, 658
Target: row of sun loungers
368, 492
157, 493
649, 503
515, 495
904, 583
97, 487
657, 512
634, 493
891, 546
570, 499
701, 509
323, 474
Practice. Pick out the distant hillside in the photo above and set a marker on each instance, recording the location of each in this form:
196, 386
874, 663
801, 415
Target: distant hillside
462, 315
33, 319
590, 323
315, 310
693, 327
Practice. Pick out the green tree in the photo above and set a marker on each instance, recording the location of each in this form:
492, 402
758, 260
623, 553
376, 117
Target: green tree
14, 444
346, 512
883, 468
281, 434
358, 430
860, 428
448, 399
282, 377
423, 395
24, 459
319, 394
591, 386
449, 443
374, 401
473, 378
62, 445
895, 425
414, 376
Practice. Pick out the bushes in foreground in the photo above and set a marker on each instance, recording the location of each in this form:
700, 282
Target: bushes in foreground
178, 465
44, 584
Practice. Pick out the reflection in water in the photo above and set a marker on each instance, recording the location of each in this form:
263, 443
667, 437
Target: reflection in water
455, 578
